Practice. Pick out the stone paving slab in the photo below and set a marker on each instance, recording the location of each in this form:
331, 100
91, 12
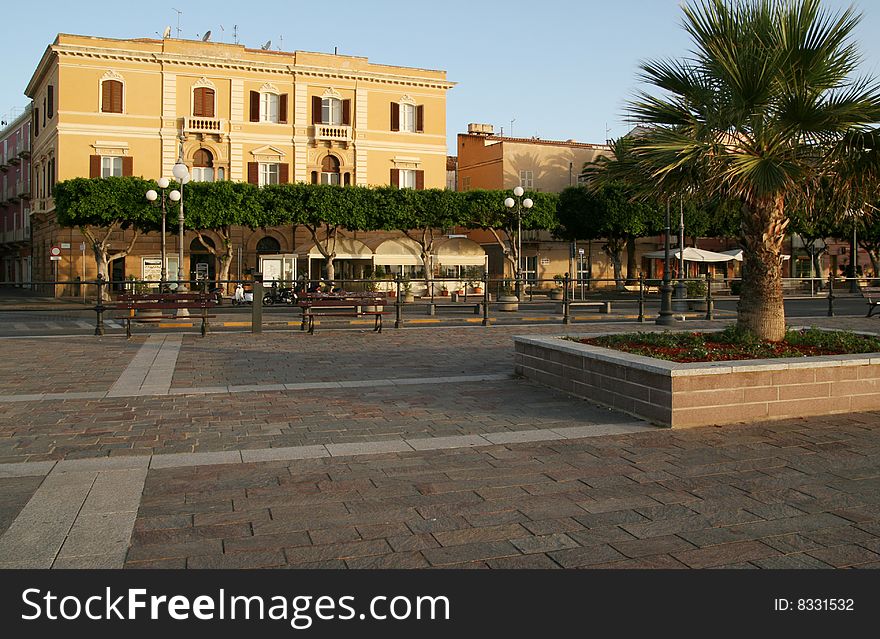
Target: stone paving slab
56, 365
610, 501
174, 424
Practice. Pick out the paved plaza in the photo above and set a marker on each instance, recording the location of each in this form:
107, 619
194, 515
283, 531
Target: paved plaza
410, 448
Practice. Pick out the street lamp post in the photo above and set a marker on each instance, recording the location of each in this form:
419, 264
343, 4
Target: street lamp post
520, 204
152, 196
665, 317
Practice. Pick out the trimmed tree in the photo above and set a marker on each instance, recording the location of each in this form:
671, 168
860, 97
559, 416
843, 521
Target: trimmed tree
100, 207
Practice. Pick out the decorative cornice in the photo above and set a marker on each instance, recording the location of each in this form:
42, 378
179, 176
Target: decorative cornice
332, 93
269, 88
203, 82
263, 67
110, 74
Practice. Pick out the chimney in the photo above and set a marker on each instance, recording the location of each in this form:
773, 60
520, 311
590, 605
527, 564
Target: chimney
480, 129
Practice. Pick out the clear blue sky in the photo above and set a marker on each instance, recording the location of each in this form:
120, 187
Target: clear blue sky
558, 68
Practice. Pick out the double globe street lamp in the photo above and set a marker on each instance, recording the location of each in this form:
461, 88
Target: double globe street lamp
152, 196
520, 204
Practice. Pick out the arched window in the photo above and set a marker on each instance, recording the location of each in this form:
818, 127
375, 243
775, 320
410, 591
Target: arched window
330, 170
196, 245
203, 102
268, 244
203, 166
111, 96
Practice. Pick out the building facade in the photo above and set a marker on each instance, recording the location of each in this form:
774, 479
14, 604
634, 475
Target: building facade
15, 200
106, 107
489, 161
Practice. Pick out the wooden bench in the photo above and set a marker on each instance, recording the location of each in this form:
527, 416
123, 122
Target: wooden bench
334, 301
604, 307
478, 307
162, 302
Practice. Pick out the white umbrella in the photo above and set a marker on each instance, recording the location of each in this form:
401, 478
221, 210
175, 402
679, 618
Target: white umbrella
692, 254
737, 254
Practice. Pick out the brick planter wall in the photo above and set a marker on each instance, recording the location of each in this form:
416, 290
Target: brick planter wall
702, 394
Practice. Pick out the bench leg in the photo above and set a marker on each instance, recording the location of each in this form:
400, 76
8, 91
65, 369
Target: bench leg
204, 327
128, 328
311, 324
378, 326
871, 309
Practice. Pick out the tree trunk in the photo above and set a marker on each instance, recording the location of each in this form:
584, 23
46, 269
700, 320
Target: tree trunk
760, 309
632, 267
614, 250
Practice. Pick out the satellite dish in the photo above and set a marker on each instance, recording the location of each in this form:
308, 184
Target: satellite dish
166, 33
267, 45
207, 36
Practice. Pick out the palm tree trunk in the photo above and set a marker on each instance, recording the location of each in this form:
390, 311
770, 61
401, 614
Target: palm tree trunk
760, 309
632, 267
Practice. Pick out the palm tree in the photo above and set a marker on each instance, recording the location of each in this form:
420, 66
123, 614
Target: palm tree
766, 103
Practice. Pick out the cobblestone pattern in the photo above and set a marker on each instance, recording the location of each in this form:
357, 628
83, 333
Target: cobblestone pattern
64, 365
795, 493
37, 431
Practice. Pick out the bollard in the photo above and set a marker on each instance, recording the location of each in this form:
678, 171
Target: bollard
398, 317
99, 306
257, 309
566, 316
486, 301
831, 295
641, 296
709, 302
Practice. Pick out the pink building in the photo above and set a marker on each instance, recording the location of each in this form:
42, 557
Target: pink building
15, 192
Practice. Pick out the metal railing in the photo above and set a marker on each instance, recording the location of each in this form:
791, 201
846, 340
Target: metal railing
490, 299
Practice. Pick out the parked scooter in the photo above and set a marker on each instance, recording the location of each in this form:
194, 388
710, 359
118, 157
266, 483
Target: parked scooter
242, 297
277, 295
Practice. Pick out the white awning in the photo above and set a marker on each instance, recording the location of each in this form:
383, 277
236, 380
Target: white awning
396, 251
459, 251
737, 254
691, 254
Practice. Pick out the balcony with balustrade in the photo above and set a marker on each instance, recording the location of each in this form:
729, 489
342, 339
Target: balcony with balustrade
23, 189
23, 148
201, 127
332, 134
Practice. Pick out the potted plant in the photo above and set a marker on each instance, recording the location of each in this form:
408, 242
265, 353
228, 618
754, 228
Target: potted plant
696, 292
444, 291
406, 290
508, 301
556, 293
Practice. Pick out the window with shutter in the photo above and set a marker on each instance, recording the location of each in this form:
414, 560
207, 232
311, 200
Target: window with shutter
50, 96
94, 166
111, 96
35, 122
253, 172
395, 177
283, 173
127, 166
282, 108
255, 108
420, 118
346, 112
420, 180
316, 109
395, 116
203, 102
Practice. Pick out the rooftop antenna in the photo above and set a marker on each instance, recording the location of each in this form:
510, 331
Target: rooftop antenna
266, 46
281, 40
207, 36
510, 133
235, 33
222, 33
179, 12
335, 50
167, 33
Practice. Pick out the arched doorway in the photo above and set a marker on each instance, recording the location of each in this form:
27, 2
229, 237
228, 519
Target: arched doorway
202, 263
330, 170
203, 166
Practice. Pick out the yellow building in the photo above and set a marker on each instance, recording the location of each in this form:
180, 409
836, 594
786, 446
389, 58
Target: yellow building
106, 107
489, 161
